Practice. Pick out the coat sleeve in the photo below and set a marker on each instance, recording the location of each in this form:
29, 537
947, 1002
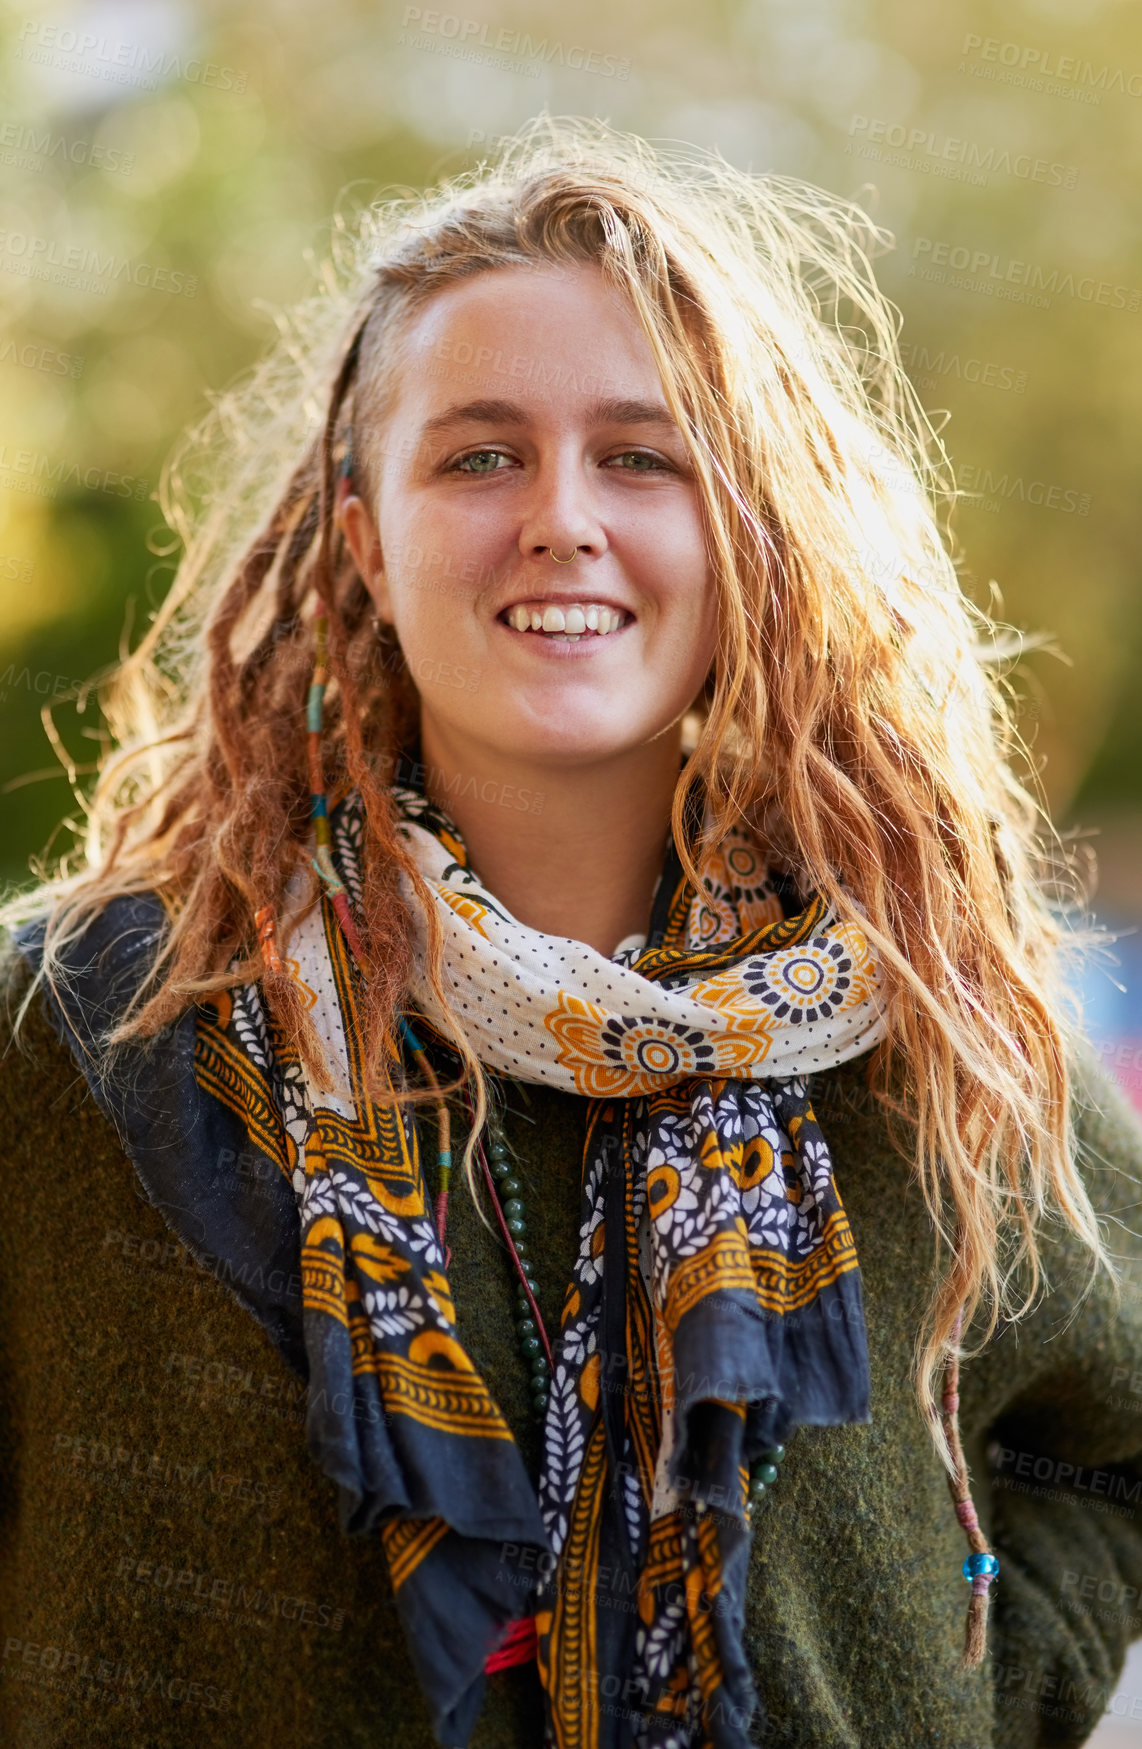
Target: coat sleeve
1064, 1457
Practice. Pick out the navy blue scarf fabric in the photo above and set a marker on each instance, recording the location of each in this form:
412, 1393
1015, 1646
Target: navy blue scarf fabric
750, 1356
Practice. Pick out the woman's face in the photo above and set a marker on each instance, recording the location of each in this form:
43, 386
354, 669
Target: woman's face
527, 416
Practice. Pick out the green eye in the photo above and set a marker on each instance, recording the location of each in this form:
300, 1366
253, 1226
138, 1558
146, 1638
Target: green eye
642, 463
480, 461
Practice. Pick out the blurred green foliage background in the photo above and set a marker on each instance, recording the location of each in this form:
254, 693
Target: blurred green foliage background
190, 155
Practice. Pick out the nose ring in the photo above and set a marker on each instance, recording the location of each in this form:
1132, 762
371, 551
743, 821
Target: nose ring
560, 561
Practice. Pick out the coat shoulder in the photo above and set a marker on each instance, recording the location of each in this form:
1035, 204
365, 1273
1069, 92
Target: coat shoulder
37, 1071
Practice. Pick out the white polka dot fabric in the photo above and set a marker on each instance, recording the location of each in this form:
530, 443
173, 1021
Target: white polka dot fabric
551, 1009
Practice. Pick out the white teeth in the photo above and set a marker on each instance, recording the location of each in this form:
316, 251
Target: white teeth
569, 622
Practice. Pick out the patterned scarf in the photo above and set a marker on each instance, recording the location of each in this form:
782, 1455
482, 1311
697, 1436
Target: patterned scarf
714, 1303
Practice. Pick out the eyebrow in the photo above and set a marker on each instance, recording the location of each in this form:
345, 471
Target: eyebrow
607, 411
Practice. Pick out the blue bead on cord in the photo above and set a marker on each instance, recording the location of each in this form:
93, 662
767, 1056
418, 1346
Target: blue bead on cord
980, 1566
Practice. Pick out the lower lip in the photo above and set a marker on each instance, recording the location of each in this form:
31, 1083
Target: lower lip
560, 648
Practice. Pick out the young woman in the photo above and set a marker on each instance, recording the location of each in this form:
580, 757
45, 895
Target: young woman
562, 835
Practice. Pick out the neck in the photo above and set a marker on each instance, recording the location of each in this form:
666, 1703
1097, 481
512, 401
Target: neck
575, 851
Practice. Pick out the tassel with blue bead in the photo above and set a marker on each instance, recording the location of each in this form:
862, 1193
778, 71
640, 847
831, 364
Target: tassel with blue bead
981, 1566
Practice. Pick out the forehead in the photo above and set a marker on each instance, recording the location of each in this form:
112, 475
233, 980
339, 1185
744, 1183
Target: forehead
543, 335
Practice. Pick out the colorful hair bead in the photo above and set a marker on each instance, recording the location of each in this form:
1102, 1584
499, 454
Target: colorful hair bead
265, 921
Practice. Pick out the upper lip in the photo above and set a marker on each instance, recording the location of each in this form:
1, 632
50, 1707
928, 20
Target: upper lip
563, 598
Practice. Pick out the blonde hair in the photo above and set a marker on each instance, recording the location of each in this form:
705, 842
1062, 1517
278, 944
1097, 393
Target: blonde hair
852, 717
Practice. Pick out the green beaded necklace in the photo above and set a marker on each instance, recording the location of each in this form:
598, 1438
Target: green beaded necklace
507, 1197
507, 1200
763, 1474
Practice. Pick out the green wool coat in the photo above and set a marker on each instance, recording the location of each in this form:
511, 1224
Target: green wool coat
171, 1568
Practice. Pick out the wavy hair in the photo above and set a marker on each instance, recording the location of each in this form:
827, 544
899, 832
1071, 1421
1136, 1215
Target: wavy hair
854, 714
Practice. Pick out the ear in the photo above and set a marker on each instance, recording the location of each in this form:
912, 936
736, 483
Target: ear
363, 541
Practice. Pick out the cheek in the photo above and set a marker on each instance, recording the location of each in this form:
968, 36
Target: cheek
429, 586
438, 562
423, 622
665, 532
695, 607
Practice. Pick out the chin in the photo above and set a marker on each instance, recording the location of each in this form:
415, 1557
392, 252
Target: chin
566, 755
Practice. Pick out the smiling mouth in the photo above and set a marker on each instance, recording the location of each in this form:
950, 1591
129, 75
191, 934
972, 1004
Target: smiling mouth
568, 624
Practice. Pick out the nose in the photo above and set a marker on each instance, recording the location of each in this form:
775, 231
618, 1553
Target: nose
560, 516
